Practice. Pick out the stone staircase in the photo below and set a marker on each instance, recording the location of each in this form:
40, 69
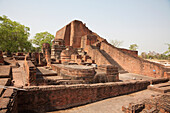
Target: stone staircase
107, 57
112, 61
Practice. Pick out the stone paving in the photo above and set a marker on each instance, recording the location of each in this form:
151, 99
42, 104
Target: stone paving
44, 71
132, 76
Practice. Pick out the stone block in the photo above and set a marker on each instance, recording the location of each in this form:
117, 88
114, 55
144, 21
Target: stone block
8, 93
31, 72
5, 72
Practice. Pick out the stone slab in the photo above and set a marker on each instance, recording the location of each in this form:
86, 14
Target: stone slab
53, 78
45, 72
78, 67
18, 77
73, 66
8, 93
132, 76
163, 87
4, 81
5, 71
4, 102
12, 62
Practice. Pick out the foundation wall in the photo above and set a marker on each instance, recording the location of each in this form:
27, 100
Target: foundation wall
30, 69
134, 64
8, 101
48, 98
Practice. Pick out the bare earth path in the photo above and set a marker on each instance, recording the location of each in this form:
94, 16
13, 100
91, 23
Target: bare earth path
19, 75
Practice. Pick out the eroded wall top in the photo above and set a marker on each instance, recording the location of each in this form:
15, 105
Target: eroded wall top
72, 33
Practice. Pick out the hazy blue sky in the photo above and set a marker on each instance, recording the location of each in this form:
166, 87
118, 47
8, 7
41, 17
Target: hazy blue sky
143, 22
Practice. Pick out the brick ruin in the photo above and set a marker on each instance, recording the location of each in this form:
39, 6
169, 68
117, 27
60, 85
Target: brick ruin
1, 58
156, 104
79, 68
91, 48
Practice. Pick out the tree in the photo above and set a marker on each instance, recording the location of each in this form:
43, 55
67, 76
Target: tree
144, 55
42, 37
168, 51
154, 55
116, 43
13, 35
133, 47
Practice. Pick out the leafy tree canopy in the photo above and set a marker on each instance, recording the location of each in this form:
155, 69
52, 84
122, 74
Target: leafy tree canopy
133, 47
42, 37
13, 36
168, 51
154, 55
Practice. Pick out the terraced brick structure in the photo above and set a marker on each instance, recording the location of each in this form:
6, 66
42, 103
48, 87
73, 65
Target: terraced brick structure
81, 68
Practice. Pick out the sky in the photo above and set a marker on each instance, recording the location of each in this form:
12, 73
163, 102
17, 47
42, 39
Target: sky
142, 22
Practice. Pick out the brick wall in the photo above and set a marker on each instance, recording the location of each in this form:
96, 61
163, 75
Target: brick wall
48, 57
134, 64
135, 53
60, 33
78, 29
96, 55
155, 104
88, 40
159, 104
8, 102
74, 72
48, 98
72, 33
111, 71
30, 69
1, 58
67, 35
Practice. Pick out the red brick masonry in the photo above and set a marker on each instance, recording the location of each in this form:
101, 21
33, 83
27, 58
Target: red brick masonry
30, 69
60, 97
134, 64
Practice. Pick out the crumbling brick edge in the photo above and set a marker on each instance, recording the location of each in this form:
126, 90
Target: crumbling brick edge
52, 97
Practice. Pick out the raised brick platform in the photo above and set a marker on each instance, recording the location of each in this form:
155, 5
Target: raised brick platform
163, 88
45, 71
75, 72
8, 103
5, 72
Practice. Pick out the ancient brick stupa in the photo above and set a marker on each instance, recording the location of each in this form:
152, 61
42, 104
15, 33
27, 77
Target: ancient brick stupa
72, 45
75, 34
90, 47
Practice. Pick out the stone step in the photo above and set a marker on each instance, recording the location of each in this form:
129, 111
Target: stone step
123, 71
110, 59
